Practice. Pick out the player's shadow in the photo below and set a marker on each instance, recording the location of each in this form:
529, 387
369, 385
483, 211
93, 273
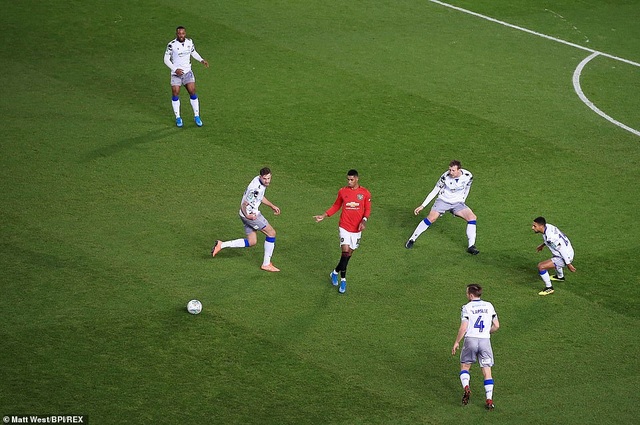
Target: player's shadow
129, 143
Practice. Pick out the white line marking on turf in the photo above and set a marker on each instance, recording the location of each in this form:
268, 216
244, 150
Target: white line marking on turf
594, 108
586, 39
577, 72
506, 24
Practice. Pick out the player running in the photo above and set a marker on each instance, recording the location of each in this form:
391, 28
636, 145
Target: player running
254, 221
355, 202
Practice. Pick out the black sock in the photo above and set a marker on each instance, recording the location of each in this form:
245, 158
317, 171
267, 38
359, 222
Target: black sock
342, 265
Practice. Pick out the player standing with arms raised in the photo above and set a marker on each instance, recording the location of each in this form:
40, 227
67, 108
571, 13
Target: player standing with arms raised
478, 321
355, 202
178, 58
560, 246
452, 190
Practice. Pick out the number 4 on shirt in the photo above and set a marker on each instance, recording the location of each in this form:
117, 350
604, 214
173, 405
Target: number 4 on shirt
479, 324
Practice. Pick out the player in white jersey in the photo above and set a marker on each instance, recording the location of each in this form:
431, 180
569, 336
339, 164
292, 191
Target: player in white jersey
452, 190
178, 58
560, 246
254, 221
478, 321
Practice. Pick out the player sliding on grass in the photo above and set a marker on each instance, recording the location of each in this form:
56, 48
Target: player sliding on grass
562, 251
253, 220
452, 190
355, 202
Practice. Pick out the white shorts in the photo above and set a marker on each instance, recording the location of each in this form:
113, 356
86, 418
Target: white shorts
477, 349
183, 80
349, 238
251, 226
559, 261
443, 207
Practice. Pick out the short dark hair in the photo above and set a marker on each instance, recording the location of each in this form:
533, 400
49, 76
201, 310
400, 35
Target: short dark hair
352, 172
540, 220
475, 290
264, 171
455, 163
180, 28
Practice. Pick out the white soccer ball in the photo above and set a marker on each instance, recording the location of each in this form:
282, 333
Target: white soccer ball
194, 307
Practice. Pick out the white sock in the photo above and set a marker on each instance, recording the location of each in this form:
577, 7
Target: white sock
176, 107
488, 388
269, 245
546, 278
471, 232
422, 226
560, 272
465, 378
236, 243
195, 104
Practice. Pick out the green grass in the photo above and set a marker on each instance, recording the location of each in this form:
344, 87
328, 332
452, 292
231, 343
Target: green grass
108, 211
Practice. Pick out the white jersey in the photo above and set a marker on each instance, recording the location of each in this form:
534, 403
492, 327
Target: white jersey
480, 315
558, 243
451, 190
454, 190
178, 55
253, 196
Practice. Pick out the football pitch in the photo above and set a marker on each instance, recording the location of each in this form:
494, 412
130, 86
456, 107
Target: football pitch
108, 211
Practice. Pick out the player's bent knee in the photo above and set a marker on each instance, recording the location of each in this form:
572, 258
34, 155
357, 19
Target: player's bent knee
432, 217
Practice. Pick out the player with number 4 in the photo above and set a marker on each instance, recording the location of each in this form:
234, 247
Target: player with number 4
478, 321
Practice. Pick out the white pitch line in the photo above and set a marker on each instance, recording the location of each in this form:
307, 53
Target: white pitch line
577, 72
506, 24
586, 101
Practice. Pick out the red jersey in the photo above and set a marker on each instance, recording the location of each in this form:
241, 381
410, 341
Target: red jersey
355, 203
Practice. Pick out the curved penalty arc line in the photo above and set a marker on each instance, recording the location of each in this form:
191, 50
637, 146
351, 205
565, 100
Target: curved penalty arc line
576, 74
576, 86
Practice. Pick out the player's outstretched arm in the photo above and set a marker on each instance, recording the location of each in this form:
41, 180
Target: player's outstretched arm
319, 218
268, 203
199, 58
428, 199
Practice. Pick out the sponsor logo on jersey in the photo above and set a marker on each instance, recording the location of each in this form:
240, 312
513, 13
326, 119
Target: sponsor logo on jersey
352, 204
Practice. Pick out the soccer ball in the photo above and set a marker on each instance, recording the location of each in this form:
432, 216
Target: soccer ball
194, 307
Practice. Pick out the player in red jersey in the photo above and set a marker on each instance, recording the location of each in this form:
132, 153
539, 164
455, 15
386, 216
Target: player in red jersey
355, 202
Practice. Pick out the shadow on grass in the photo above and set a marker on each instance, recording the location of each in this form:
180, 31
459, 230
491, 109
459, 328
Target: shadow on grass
129, 143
